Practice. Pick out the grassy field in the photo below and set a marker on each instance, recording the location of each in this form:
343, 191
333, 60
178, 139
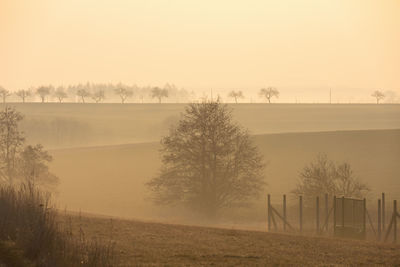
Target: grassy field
147, 243
71, 125
110, 179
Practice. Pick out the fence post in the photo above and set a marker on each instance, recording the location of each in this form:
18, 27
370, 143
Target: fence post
301, 213
284, 213
383, 213
317, 207
326, 211
269, 213
379, 220
365, 218
343, 214
394, 221
334, 215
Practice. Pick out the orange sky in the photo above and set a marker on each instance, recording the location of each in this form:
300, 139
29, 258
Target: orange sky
352, 46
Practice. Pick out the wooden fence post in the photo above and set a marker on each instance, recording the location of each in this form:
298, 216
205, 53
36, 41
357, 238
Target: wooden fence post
379, 220
383, 213
284, 213
334, 215
317, 215
301, 213
343, 214
365, 218
269, 213
395, 221
326, 211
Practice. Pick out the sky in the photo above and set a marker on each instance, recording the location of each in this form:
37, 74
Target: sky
303, 47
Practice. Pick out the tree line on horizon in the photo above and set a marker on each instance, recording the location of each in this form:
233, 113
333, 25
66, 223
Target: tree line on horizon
99, 92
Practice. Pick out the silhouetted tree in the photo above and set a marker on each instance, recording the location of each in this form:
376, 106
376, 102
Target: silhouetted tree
159, 93
33, 166
11, 140
323, 176
269, 93
43, 92
4, 93
208, 161
378, 95
98, 96
60, 94
236, 95
23, 94
123, 93
82, 93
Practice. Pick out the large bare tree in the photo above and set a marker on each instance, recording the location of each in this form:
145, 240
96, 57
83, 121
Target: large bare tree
269, 93
98, 96
323, 176
209, 162
43, 92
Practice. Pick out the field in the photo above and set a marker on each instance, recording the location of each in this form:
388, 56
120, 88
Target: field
110, 179
147, 243
71, 125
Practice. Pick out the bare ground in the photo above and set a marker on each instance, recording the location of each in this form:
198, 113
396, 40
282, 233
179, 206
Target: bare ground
148, 243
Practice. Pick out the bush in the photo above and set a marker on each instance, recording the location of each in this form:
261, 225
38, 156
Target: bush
31, 234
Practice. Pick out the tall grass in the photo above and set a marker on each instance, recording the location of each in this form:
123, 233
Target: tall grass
32, 234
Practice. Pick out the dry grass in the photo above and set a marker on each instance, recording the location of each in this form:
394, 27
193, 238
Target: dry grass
147, 243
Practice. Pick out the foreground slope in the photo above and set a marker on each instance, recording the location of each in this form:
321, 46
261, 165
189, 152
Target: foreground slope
111, 179
144, 243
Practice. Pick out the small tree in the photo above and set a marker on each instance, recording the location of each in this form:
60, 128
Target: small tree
269, 93
4, 93
159, 93
23, 94
43, 92
209, 162
11, 140
323, 176
378, 95
123, 93
60, 94
33, 166
98, 96
236, 95
82, 93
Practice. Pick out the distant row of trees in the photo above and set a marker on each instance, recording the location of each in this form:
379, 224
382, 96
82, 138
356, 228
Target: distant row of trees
98, 92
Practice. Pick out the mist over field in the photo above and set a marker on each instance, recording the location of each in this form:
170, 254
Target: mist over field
199, 133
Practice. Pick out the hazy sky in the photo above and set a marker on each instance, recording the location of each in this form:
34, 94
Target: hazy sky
352, 46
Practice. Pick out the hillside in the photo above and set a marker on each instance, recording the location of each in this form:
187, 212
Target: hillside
72, 125
110, 179
146, 243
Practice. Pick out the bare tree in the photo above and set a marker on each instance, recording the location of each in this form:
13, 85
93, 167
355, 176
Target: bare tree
33, 166
269, 93
23, 94
159, 93
323, 176
123, 93
11, 140
82, 93
378, 95
209, 162
60, 94
98, 96
4, 93
43, 92
236, 95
